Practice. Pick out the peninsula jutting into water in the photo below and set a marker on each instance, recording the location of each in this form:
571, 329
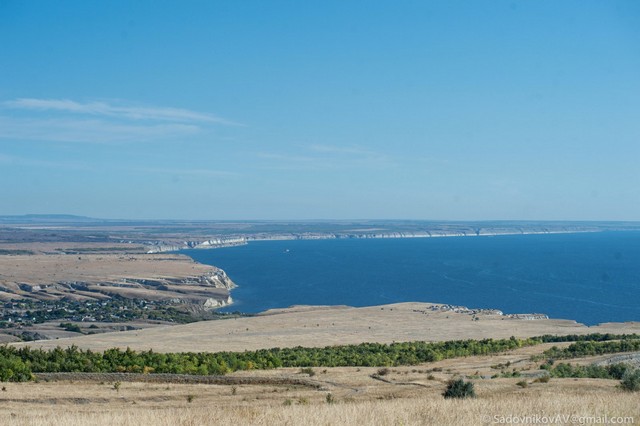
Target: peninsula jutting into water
81, 288
61, 268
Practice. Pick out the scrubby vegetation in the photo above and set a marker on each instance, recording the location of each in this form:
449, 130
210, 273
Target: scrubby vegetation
628, 343
70, 327
631, 381
543, 379
613, 371
628, 375
593, 337
13, 369
19, 364
366, 354
308, 370
459, 389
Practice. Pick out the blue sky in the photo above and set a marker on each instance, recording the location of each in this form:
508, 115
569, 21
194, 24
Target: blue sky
442, 110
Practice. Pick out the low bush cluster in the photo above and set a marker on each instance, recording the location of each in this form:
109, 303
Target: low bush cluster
459, 389
631, 381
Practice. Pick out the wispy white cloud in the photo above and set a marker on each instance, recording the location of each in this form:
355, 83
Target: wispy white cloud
116, 111
97, 131
11, 160
66, 120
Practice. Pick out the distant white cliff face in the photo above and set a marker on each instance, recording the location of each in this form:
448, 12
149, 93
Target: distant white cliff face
218, 279
217, 303
160, 246
221, 242
436, 231
206, 298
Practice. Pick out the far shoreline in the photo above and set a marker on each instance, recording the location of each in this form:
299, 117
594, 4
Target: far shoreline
234, 307
236, 241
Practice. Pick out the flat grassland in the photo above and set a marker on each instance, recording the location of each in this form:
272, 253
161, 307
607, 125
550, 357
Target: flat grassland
318, 326
408, 395
347, 396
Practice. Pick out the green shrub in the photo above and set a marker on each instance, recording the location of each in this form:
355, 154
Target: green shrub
13, 369
70, 327
308, 370
613, 371
459, 389
508, 374
543, 379
330, 398
383, 371
631, 381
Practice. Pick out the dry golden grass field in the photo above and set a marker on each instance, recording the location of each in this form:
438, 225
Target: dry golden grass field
101, 276
410, 395
97, 268
407, 396
325, 326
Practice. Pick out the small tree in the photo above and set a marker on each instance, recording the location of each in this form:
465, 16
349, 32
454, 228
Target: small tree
13, 369
459, 389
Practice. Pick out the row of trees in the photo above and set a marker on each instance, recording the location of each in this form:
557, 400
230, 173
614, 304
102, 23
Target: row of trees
593, 337
613, 371
628, 375
18, 364
591, 348
24, 361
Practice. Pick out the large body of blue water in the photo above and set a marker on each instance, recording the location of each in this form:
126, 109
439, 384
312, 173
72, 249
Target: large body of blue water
590, 277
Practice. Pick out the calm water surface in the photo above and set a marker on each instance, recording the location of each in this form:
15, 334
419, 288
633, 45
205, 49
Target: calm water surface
592, 278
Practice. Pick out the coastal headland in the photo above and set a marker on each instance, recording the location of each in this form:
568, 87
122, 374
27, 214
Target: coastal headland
93, 275
48, 296
80, 285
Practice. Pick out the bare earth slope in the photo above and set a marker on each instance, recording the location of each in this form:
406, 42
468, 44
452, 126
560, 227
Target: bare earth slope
322, 326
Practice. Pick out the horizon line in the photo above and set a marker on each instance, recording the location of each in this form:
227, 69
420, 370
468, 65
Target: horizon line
68, 216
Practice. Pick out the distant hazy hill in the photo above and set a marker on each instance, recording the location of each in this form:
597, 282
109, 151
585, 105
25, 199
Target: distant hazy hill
47, 218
